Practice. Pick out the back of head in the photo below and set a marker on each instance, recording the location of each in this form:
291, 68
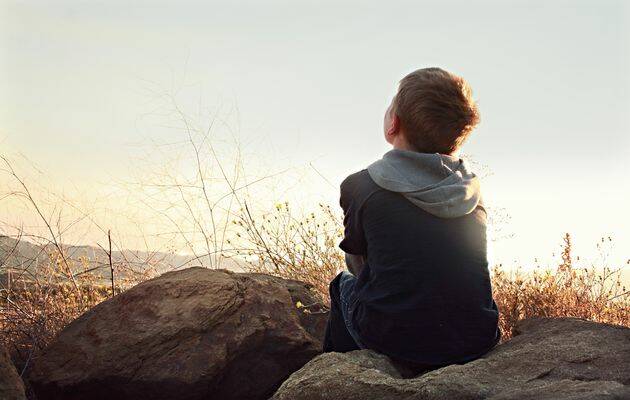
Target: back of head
436, 110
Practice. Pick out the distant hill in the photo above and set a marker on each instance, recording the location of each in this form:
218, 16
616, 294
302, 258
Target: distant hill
25, 255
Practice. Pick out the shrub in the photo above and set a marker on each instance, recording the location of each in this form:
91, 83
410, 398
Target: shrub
303, 249
593, 293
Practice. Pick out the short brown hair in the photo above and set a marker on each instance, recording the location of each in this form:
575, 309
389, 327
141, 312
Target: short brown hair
436, 110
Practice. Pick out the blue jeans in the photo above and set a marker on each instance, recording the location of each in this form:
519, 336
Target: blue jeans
341, 335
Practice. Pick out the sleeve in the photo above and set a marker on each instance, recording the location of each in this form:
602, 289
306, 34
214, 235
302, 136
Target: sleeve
354, 238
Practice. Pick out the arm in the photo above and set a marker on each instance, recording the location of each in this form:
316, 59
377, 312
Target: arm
353, 244
355, 263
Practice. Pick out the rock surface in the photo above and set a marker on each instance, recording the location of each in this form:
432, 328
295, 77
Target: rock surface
11, 385
563, 358
190, 334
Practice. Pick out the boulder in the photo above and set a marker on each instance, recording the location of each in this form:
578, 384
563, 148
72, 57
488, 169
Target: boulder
563, 358
191, 334
11, 385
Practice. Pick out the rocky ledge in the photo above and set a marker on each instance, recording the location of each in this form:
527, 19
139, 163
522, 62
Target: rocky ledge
562, 358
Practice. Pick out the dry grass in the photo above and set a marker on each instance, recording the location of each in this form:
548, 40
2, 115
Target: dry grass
293, 248
36, 305
593, 293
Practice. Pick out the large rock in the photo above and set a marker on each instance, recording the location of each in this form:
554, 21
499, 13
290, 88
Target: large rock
11, 385
191, 334
549, 359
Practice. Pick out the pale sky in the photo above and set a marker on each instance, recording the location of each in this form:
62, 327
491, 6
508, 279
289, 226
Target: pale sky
311, 80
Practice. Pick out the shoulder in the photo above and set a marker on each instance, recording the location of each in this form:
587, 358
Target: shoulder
358, 180
356, 189
358, 185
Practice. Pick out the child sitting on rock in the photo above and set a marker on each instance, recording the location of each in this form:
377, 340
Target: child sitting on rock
418, 289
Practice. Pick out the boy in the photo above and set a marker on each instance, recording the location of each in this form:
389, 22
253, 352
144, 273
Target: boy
415, 237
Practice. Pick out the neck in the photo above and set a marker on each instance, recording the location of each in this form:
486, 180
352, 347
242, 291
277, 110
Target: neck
400, 143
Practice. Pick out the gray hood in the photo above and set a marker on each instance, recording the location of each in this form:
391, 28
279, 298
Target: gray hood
439, 184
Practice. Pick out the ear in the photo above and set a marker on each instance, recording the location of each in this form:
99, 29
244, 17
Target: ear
394, 127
